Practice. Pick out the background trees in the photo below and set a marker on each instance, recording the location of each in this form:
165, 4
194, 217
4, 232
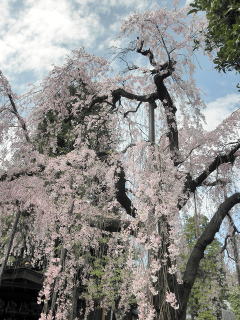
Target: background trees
222, 31
100, 199
210, 287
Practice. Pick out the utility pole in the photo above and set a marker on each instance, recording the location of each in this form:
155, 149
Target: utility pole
151, 134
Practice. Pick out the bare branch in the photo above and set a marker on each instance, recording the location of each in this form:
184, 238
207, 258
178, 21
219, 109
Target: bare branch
220, 159
229, 256
189, 154
235, 229
224, 247
164, 44
192, 184
96, 100
148, 53
129, 67
126, 113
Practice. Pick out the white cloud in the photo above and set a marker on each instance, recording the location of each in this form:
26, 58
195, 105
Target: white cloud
219, 109
37, 34
187, 3
42, 34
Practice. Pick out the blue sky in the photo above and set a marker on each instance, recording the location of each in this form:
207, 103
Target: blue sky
36, 34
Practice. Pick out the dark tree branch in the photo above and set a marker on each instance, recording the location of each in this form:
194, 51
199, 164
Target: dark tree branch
170, 113
129, 68
117, 94
148, 53
225, 243
132, 111
192, 184
121, 93
20, 119
205, 239
229, 256
127, 147
121, 195
220, 159
235, 229
96, 100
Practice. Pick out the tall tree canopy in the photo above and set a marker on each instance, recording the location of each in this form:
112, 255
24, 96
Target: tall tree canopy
92, 200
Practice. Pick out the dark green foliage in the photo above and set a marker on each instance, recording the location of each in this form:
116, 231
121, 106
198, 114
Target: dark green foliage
223, 31
234, 299
57, 133
209, 289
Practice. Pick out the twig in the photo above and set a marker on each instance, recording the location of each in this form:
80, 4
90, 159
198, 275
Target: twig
133, 111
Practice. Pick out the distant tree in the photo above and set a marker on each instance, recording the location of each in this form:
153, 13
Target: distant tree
234, 299
223, 31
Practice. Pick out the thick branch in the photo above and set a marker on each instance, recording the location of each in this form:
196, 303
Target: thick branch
119, 93
97, 100
170, 113
220, 159
205, 239
121, 195
148, 53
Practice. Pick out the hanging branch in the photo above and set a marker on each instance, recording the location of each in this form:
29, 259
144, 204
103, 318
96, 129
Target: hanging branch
20, 119
63, 255
55, 292
224, 247
10, 242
